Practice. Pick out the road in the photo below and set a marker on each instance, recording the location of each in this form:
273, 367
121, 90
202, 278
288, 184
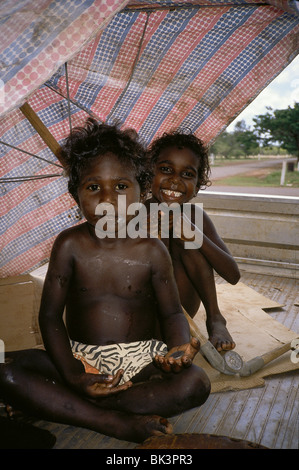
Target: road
220, 172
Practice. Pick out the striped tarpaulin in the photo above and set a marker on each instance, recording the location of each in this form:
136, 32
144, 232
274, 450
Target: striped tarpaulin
152, 65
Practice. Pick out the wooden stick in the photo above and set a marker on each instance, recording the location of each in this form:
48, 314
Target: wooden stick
271, 355
194, 330
42, 130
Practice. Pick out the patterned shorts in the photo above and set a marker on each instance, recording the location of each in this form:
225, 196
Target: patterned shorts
108, 359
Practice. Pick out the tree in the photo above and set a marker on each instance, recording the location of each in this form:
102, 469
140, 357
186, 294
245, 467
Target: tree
246, 139
241, 142
223, 145
281, 125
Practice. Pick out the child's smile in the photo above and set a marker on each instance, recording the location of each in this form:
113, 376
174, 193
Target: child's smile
172, 194
175, 177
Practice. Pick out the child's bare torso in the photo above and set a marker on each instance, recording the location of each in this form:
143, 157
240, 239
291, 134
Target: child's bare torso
110, 297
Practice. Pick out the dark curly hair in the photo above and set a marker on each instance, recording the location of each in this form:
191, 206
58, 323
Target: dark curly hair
84, 144
183, 139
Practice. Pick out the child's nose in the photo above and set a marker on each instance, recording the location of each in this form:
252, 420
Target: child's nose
107, 196
175, 179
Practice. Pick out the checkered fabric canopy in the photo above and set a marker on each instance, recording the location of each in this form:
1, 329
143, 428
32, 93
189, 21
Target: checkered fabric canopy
153, 65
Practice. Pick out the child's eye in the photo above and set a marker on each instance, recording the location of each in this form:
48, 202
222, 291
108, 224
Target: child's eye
94, 187
188, 174
121, 186
165, 169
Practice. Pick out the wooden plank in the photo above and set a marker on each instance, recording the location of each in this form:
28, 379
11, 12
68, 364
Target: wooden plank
254, 227
42, 130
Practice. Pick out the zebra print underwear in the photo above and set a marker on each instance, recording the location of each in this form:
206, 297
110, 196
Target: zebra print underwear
108, 359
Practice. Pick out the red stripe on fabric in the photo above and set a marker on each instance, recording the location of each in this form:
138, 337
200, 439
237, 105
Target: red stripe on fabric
258, 78
120, 72
82, 63
23, 191
35, 144
61, 49
29, 259
9, 31
37, 217
203, 20
218, 63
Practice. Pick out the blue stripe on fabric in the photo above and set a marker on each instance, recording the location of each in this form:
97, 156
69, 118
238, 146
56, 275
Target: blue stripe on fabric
16, 135
105, 57
154, 120
30, 166
242, 67
151, 58
227, 24
17, 51
132, 96
53, 81
56, 113
11, 8
19, 134
36, 236
34, 201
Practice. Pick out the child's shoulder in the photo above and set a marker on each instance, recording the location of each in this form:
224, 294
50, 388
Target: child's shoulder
155, 248
69, 235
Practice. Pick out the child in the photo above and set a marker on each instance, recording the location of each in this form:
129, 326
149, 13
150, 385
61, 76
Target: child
181, 169
106, 370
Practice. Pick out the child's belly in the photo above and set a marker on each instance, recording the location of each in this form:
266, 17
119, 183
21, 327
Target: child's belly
111, 321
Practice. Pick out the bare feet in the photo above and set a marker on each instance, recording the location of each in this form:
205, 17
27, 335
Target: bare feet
140, 427
219, 335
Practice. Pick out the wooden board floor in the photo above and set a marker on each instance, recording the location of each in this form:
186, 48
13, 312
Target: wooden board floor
267, 415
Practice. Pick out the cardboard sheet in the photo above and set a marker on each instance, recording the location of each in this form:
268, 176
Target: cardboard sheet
255, 333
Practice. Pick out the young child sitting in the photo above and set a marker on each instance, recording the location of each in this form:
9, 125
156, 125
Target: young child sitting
107, 370
181, 169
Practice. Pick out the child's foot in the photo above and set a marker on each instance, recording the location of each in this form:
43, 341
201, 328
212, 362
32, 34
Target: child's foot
219, 335
12, 413
140, 427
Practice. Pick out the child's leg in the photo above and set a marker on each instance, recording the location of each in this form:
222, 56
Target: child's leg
201, 275
157, 392
30, 382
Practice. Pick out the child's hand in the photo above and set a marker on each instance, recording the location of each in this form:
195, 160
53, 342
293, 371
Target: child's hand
178, 357
99, 385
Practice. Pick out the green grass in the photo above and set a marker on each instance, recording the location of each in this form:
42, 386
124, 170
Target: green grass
271, 179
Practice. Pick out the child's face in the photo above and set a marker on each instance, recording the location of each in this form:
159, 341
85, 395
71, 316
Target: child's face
103, 181
175, 177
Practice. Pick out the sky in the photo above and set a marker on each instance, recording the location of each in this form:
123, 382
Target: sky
282, 92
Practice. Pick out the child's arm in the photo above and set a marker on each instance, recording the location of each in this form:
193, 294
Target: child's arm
53, 301
53, 329
214, 249
217, 253
174, 325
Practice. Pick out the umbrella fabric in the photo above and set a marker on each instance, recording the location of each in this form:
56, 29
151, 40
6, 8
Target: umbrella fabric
153, 66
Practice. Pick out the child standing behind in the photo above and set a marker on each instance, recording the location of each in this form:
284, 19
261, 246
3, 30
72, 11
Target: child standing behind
105, 369
181, 168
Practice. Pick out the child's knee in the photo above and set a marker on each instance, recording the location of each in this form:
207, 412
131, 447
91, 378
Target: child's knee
6, 374
201, 386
